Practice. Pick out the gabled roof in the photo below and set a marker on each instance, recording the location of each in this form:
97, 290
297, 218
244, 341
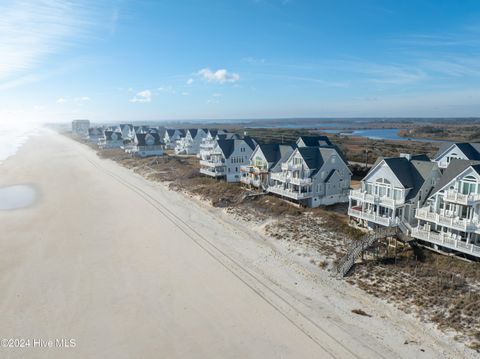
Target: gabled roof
273, 152
455, 168
313, 141
141, 138
227, 146
471, 150
193, 132
213, 133
250, 142
312, 157
109, 133
170, 132
123, 125
411, 173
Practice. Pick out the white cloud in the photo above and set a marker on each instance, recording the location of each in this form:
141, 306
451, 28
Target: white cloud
190, 81
82, 99
185, 93
61, 100
220, 76
142, 96
31, 30
167, 89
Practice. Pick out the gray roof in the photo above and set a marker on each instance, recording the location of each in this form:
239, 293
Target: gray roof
470, 149
228, 145
312, 157
109, 133
193, 132
455, 167
314, 141
411, 173
141, 138
273, 152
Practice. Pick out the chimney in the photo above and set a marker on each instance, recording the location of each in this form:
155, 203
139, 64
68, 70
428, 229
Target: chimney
408, 156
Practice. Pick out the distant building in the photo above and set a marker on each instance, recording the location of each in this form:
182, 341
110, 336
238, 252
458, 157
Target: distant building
147, 144
80, 128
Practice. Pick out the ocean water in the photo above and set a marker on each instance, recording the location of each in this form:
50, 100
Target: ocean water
13, 136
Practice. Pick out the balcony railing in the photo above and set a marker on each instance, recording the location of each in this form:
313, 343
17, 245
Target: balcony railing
373, 217
211, 163
363, 196
461, 224
460, 198
290, 193
256, 182
213, 172
283, 177
446, 240
286, 166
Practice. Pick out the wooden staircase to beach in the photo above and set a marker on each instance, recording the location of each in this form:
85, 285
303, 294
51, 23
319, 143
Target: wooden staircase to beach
357, 248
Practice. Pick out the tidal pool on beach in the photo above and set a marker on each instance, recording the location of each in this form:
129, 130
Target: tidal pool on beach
16, 197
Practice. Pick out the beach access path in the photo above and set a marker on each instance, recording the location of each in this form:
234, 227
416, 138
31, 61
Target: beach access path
128, 269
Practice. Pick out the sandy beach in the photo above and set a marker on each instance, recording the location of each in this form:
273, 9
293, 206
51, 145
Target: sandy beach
128, 269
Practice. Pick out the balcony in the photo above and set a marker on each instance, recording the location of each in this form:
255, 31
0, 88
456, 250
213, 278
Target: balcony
444, 219
290, 193
363, 196
286, 166
373, 217
284, 177
256, 182
465, 199
213, 172
446, 240
212, 164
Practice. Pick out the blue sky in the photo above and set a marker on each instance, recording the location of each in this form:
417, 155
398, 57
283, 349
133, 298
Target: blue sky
192, 59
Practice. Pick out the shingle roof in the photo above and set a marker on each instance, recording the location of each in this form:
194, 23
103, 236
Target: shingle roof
170, 132
141, 138
471, 150
109, 133
411, 173
193, 132
250, 142
227, 146
273, 152
312, 141
312, 157
455, 167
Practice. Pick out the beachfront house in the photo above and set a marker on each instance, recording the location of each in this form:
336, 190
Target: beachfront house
450, 219
171, 137
263, 159
210, 142
95, 134
312, 176
111, 139
459, 150
80, 128
314, 141
392, 190
190, 143
127, 130
147, 144
227, 157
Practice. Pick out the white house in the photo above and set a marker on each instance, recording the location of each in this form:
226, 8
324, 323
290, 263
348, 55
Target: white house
450, 219
111, 139
263, 159
171, 137
190, 144
210, 142
147, 144
227, 157
462, 151
80, 128
392, 190
127, 130
312, 176
95, 134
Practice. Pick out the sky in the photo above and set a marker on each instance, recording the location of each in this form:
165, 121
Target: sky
120, 60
